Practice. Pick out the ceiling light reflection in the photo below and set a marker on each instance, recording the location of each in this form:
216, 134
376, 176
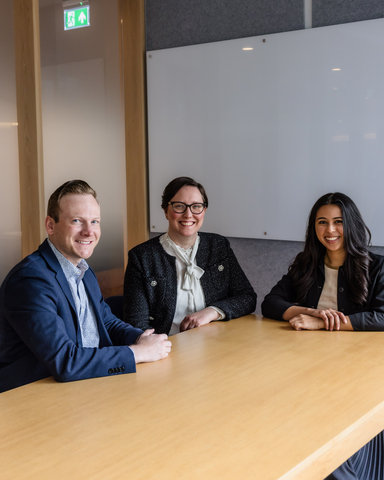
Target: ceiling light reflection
8, 124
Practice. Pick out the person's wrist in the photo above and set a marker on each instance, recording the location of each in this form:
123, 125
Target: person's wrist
321, 323
214, 314
136, 349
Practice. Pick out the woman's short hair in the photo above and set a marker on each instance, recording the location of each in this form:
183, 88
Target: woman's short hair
174, 186
78, 187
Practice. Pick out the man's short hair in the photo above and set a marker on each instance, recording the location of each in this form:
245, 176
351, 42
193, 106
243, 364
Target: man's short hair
78, 187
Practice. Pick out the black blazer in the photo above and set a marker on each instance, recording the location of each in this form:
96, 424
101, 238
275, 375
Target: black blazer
367, 317
150, 287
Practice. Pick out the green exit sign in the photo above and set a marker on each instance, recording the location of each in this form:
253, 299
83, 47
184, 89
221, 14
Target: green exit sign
76, 18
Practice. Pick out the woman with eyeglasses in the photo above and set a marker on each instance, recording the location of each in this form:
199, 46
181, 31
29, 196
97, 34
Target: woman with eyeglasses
184, 279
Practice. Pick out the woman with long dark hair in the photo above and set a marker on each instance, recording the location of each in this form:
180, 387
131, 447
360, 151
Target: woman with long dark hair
335, 284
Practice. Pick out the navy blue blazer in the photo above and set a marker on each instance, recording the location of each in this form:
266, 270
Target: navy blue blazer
150, 286
39, 330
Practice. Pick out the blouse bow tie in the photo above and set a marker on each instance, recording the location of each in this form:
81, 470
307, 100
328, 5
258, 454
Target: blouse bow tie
192, 275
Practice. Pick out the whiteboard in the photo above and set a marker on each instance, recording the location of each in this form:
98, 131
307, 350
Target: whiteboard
268, 131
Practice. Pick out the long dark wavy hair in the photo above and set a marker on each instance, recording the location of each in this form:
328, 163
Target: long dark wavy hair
357, 238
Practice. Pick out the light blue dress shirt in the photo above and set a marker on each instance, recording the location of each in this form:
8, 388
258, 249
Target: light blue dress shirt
85, 312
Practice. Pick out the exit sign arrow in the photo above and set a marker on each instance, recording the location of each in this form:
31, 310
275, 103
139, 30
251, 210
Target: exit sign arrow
82, 17
76, 18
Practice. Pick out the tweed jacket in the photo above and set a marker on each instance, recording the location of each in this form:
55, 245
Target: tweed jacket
367, 317
150, 287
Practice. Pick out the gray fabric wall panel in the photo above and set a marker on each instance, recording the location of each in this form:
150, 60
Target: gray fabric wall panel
176, 23
264, 262
334, 12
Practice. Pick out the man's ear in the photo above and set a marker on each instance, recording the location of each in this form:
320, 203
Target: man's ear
50, 225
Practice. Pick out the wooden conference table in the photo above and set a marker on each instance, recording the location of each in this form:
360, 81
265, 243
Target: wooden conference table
246, 399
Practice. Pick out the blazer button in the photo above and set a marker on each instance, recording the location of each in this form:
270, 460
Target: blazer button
110, 371
221, 268
153, 283
122, 369
341, 289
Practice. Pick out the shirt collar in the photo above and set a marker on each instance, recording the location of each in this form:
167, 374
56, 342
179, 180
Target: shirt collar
69, 269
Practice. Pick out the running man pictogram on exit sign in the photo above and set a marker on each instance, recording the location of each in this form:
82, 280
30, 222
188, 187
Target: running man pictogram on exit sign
76, 18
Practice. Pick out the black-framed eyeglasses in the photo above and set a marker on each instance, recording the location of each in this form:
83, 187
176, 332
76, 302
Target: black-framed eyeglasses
180, 207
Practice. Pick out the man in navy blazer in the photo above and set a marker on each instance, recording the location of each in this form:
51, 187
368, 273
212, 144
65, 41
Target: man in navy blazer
53, 319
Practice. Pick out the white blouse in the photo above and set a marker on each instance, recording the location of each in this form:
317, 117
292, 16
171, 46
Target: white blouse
190, 295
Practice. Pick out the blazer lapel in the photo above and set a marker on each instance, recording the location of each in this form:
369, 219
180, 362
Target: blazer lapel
46, 252
50, 258
202, 252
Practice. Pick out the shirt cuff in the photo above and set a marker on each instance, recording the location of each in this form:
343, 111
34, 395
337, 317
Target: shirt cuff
219, 311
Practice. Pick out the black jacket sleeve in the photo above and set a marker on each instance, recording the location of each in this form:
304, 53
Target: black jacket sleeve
279, 299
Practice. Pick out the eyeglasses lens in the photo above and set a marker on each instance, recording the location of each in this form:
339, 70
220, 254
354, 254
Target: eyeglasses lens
196, 208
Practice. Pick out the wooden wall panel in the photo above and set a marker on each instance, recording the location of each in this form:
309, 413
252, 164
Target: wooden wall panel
133, 58
28, 89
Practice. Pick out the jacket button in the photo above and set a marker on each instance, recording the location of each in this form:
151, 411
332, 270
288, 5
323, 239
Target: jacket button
122, 369
341, 289
342, 310
110, 371
221, 268
153, 283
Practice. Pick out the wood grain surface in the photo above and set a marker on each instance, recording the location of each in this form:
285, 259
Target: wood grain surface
245, 399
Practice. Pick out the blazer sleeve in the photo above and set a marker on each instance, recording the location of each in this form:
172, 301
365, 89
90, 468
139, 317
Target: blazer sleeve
372, 318
121, 333
239, 299
41, 317
279, 299
136, 303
